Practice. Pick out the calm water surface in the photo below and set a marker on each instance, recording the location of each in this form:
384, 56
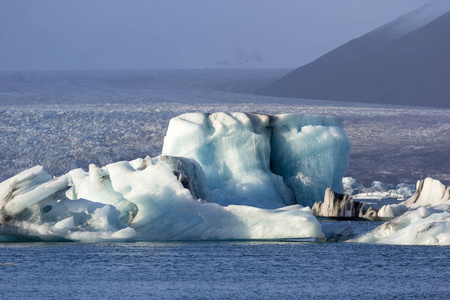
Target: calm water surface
225, 270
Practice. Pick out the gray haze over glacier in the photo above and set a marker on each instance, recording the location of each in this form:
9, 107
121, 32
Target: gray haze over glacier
149, 34
405, 62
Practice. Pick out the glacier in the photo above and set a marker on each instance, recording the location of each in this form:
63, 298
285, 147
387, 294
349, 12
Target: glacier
220, 176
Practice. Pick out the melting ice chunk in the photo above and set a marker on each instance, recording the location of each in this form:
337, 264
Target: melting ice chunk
35, 205
418, 227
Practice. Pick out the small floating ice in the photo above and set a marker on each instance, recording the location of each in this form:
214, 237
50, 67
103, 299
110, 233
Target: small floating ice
417, 227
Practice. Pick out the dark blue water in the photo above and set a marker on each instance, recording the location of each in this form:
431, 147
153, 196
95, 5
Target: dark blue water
225, 270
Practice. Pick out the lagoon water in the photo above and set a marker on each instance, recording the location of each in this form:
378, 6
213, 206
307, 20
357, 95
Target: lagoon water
64, 120
225, 270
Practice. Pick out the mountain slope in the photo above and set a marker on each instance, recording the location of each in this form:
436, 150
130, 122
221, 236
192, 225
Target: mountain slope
406, 62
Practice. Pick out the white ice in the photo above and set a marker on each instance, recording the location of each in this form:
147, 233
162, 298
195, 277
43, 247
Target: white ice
378, 190
430, 193
168, 211
90, 206
35, 205
423, 219
417, 227
390, 211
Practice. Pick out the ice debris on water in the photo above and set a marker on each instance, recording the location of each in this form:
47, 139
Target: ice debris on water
417, 227
423, 219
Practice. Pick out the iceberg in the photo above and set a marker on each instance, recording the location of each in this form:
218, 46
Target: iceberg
311, 153
166, 210
33, 204
336, 205
418, 227
94, 205
378, 190
261, 160
220, 176
429, 193
390, 211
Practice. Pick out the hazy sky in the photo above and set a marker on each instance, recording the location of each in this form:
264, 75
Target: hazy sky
141, 34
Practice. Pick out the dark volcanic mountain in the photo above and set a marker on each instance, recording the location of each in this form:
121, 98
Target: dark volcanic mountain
406, 62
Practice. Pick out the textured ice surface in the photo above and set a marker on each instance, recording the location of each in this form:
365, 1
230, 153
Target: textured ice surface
338, 205
240, 153
430, 192
418, 227
33, 204
311, 153
234, 152
377, 190
190, 174
390, 211
168, 211
149, 198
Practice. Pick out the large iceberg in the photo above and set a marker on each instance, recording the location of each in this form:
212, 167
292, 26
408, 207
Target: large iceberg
166, 210
134, 200
261, 160
220, 177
